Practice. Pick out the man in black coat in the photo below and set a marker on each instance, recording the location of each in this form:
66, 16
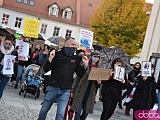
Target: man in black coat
62, 64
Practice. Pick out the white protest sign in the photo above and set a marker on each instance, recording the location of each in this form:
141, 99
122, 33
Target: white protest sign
86, 38
146, 68
23, 50
8, 64
119, 73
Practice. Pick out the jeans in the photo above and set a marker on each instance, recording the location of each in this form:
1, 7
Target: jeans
158, 100
83, 116
62, 97
3, 81
20, 74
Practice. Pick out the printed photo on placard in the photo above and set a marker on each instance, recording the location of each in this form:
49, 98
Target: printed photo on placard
146, 68
119, 73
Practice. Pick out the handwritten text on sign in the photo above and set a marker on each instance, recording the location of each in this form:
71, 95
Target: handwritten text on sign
99, 74
31, 27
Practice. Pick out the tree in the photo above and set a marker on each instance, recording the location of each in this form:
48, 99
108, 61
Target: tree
120, 23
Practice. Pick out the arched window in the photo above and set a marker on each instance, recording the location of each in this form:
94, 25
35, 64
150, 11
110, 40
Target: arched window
67, 13
53, 10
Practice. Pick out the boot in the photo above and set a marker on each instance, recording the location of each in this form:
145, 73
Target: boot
16, 85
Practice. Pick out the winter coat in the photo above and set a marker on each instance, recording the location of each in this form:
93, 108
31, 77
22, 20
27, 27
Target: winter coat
79, 88
145, 96
113, 88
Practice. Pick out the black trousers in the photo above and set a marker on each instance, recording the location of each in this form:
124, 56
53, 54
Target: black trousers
109, 106
15, 73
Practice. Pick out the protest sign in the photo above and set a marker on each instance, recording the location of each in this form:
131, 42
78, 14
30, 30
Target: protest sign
146, 68
99, 74
119, 73
86, 38
23, 50
31, 27
8, 64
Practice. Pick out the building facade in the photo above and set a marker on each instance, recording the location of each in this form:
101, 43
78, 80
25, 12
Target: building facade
57, 17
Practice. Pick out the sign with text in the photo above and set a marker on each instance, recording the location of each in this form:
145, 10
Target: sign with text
8, 64
86, 39
99, 74
119, 73
31, 27
146, 68
23, 50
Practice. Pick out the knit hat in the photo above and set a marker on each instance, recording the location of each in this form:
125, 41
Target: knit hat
96, 53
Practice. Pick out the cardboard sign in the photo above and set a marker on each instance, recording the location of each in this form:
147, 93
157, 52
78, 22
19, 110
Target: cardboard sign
31, 27
99, 74
119, 73
146, 68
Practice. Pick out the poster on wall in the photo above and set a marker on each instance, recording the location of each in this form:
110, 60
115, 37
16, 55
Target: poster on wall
146, 68
31, 27
157, 69
86, 38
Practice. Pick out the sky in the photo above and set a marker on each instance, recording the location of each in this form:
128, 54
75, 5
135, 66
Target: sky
150, 1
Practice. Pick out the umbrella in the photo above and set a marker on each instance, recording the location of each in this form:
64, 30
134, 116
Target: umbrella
55, 40
109, 54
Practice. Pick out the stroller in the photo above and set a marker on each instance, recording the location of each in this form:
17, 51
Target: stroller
32, 81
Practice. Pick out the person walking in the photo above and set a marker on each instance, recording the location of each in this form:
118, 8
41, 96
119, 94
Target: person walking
84, 91
145, 95
111, 92
62, 64
132, 82
6, 48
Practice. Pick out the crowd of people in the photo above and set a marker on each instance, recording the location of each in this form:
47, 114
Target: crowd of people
69, 82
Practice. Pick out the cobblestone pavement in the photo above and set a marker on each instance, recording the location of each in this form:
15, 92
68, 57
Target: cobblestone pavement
15, 107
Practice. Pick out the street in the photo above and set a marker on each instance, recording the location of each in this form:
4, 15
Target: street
15, 107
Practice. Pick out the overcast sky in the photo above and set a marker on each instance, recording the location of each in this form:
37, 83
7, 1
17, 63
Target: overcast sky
150, 1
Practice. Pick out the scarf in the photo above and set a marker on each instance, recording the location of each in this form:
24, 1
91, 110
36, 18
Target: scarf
6, 52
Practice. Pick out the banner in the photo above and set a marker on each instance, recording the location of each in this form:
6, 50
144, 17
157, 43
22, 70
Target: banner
99, 74
86, 38
23, 50
31, 27
8, 64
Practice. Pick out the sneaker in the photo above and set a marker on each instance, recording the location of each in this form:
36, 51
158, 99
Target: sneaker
16, 86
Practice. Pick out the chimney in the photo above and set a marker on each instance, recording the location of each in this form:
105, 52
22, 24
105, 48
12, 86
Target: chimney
1, 2
78, 12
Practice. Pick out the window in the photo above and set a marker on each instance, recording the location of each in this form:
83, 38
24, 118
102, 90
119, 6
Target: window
18, 22
25, 2
31, 3
5, 19
56, 31
67, 14
68, 33
19, 1
43, 28
53, 10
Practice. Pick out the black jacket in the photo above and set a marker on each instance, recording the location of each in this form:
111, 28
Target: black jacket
145, 96
62, 68
113, 88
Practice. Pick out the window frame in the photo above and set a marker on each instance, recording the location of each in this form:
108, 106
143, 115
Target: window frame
54, 10
68, 33
32, 2
18, 22
67, 14
19, 1
56, 31
25, 2
5, 17
43, 28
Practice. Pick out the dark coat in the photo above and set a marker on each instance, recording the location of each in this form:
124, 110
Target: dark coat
113, 88
79, 88
145, 96
62, 69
